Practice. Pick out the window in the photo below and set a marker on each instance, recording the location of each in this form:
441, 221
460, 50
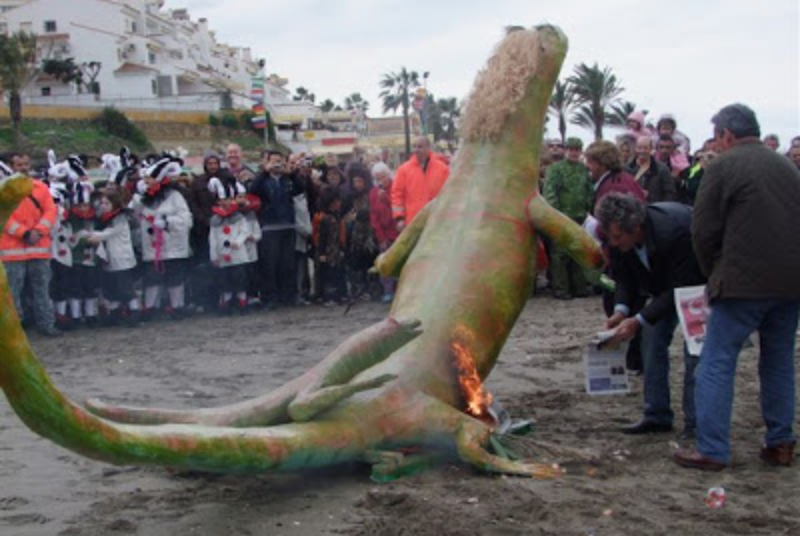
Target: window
26, 27
45, 92
154, 86
134, 27
49, 26
4, 28
151, 58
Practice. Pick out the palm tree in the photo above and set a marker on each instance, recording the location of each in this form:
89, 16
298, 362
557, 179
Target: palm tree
18, 66
303, 94
620, 111
356, 101
449, 112
395, 95
595, 90
327, 105
561, 102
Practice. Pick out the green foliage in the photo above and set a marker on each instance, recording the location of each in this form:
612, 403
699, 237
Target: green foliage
230, 121
395, 94
63, 70
619, 113
327, 105
213, 120
17, 68
595, 90
66, 136
245, 120
117, 124
561, 103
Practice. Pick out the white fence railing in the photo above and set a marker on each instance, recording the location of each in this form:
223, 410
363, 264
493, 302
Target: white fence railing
209, 102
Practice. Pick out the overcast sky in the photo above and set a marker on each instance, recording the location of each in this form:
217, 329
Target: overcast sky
688, 58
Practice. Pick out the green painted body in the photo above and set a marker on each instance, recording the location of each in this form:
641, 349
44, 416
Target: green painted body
466, 267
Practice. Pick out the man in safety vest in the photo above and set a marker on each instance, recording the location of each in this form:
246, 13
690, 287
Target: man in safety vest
417, 182
25, 249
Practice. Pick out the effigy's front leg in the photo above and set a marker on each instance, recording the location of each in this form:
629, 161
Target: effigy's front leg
390, 263
565, 234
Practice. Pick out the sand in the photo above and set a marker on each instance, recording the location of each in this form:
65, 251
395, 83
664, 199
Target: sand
635, 489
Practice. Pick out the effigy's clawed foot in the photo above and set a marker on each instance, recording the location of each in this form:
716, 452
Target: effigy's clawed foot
391, 465
473, 439
523, 448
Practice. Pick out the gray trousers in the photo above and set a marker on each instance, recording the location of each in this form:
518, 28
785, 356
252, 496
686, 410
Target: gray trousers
37, 274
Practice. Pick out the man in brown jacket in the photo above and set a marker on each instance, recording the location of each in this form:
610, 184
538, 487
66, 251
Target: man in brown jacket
745, 233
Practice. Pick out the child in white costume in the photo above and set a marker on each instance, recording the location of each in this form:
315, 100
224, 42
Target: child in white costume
119, 260
165, 224
231, 237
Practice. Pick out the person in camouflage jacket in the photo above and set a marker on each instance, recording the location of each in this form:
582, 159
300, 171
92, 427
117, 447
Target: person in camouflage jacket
567, 188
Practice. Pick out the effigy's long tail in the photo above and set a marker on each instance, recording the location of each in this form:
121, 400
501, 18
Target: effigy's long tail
44, 409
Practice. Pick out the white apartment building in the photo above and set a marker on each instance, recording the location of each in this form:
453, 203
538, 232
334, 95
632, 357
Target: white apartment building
151, 58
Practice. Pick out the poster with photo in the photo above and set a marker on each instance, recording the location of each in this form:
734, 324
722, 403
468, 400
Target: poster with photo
692, 312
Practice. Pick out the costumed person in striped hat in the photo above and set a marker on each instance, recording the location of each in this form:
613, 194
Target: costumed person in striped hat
119, 260
165, 223
122, 170
61, 263
229, 234
76, 279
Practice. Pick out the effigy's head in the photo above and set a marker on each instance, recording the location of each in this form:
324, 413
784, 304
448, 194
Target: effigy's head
510, 97
13, 189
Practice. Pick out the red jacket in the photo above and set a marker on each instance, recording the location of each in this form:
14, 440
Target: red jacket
413, 188
39, 215
621, 182
380, 215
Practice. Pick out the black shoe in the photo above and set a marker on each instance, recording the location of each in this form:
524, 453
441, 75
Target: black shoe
647, 427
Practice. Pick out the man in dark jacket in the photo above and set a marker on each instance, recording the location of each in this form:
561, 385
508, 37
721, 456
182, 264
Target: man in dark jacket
651, 255
745, 233
276, 188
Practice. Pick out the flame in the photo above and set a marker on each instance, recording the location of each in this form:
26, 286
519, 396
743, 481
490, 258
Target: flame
476, 396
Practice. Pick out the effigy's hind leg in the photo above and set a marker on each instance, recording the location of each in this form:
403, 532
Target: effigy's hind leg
316, 391
471, 439
307, 406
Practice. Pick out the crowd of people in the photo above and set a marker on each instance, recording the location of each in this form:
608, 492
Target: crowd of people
154, 241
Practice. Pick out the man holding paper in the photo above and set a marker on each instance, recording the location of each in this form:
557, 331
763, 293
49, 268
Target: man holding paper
651, 255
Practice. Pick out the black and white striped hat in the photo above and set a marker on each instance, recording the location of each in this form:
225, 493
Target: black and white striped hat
164, 168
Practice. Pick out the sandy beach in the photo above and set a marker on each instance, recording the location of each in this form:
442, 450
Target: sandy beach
208, 361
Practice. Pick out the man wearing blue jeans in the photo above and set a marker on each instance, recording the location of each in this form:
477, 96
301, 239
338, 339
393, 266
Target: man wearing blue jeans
745, 233
651, 255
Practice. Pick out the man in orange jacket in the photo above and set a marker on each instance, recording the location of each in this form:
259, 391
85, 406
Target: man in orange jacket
25, 248
417, 182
